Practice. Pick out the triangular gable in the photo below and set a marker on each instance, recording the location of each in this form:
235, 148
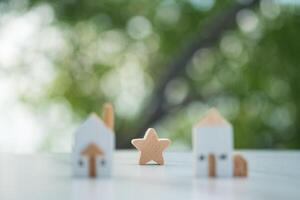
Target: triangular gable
213, 118
93, 130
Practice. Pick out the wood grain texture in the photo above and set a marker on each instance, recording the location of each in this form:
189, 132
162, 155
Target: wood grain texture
273, 175
92, 151
212, 117
239, 166
211, 165
108, 115
151, 147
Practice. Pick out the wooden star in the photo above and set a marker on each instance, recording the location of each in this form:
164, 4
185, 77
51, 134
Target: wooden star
151, 147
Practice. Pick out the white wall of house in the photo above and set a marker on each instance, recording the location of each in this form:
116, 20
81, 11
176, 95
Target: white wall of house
94, 131
217, 140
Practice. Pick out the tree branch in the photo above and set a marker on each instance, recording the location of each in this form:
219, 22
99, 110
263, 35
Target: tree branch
212, 32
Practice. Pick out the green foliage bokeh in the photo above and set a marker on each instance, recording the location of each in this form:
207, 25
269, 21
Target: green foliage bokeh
252, 74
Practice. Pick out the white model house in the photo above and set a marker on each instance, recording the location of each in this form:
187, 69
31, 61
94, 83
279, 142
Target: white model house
213, 146
93, 148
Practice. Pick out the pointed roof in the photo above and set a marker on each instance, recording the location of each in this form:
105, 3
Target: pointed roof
93, 130
213, 117
94, 119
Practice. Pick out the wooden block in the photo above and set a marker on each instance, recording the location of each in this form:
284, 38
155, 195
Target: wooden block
213, 135
151, 147
108, 115
240, 166
211, 165
93, 131
92, 151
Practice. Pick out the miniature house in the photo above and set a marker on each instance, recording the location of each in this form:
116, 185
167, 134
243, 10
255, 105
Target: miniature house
93, 148
213, 146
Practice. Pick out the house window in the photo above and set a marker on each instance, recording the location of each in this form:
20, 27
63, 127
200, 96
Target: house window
201, 157
81, 163
102, 162
223, 157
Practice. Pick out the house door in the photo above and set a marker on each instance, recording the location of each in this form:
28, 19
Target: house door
92, 151
92, 167
211, 165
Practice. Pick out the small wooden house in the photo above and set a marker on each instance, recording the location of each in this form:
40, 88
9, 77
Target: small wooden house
94, 144
213, 146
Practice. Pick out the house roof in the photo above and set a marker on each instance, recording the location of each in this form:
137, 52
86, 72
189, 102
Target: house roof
93, 120
213, 117
93, 130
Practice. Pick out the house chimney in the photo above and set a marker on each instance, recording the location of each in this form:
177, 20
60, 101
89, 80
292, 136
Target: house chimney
108, 115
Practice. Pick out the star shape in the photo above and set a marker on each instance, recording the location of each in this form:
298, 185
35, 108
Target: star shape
151, 147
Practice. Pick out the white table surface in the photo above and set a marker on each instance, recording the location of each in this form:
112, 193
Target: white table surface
272, 175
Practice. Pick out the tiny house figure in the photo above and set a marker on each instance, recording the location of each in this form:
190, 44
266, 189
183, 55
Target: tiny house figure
94, 145
213, 145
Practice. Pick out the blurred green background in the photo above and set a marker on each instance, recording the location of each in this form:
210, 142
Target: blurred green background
162, 64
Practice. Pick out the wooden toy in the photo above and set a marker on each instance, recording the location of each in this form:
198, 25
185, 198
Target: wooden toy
151, 147
240, 166
213, 146
94, 145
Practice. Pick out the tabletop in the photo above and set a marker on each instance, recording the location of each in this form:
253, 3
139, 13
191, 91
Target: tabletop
272, 175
